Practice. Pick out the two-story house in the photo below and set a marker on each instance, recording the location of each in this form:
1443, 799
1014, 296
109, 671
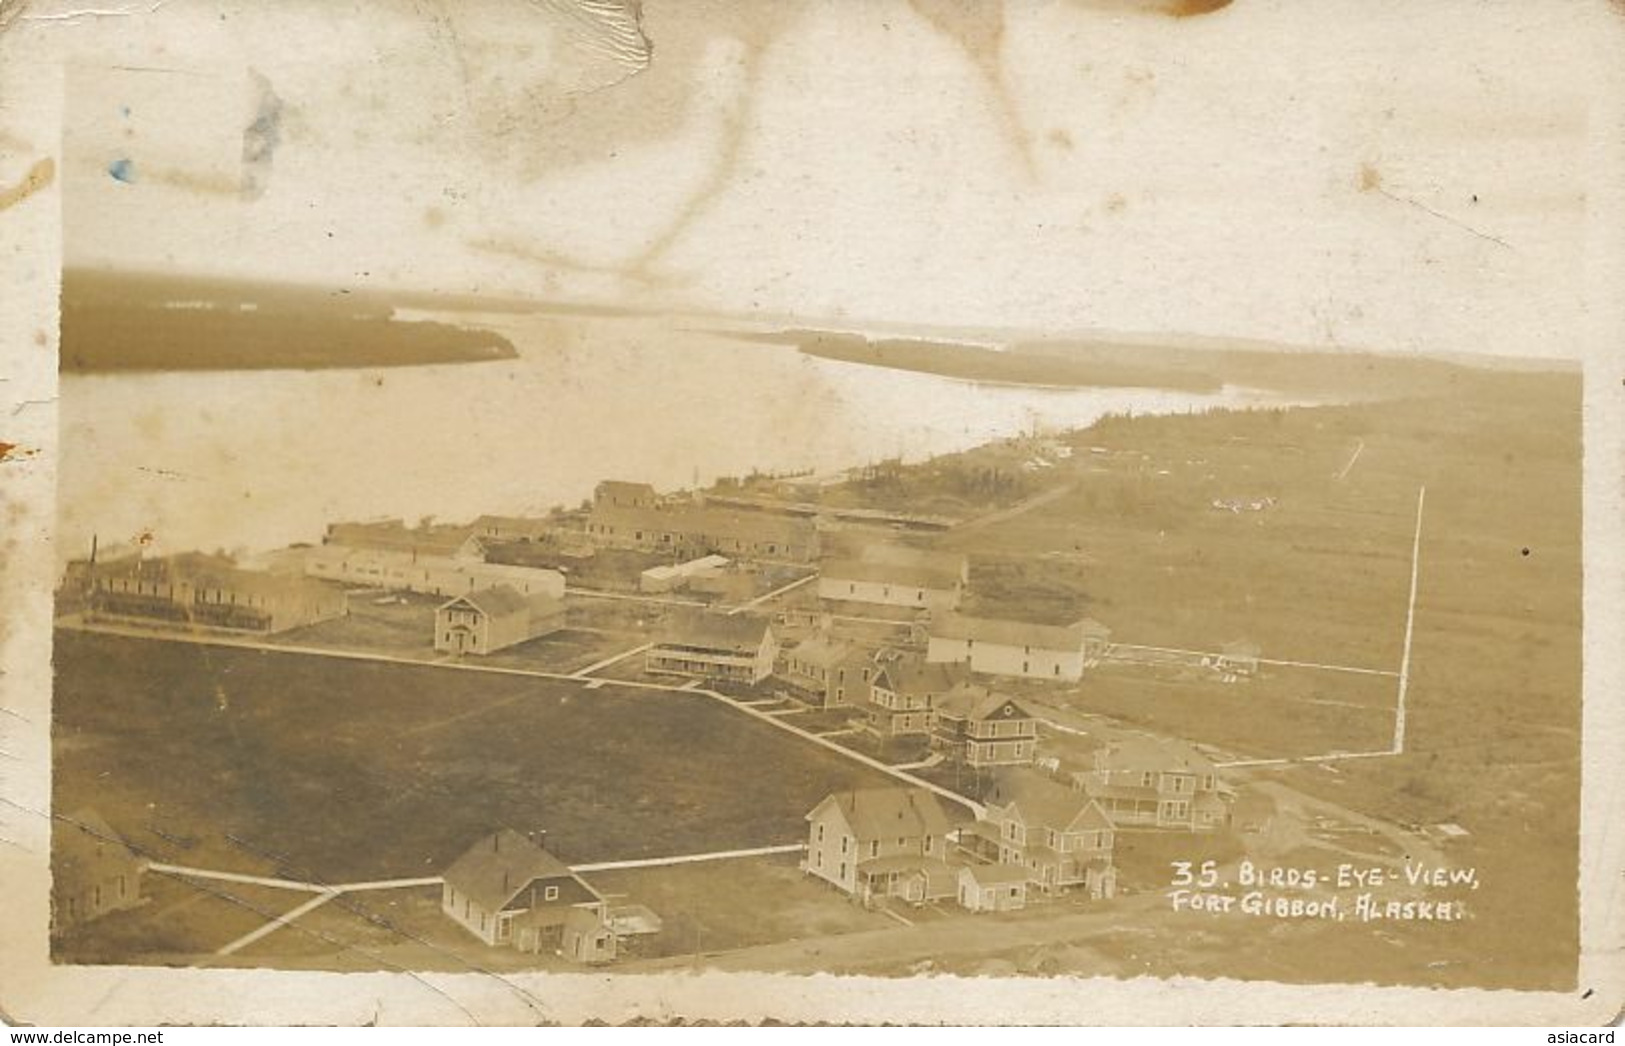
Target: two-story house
494, 619
875, 843
1157, 783
904, 690
977, 727
827, 673
1061, 836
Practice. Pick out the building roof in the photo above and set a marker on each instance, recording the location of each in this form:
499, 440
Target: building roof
821, 650
499, 867
904, 575
516, 572
997, 874
1144, 753
620, 488
633, 920
691, 568
496, 601
201, 570
1002, 632
1041, 801
977, 703
529, 525
714, 630
907, 555
709, 522
913, 674
501, 601
874, 813
395, 536
892, 863
1099, 790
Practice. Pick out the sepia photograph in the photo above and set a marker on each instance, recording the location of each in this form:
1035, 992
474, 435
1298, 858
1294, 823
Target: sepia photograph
939, 496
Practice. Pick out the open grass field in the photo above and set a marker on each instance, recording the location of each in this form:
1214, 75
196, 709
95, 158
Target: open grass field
337, 770
400, 929
1284, 712
178, 921
725, 905
1323, 574
401, 624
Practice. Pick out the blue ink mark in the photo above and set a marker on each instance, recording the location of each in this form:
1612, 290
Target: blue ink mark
261, 138
122, 170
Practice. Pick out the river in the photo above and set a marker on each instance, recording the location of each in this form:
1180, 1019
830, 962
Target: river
250, 460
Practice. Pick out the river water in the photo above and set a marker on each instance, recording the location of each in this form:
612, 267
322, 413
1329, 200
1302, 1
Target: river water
254, 460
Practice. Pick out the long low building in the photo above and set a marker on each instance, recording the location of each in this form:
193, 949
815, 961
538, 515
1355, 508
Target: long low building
669, 577
692, 529
729, 648
897, 576
429, 574
888, 584
195, 590
392, 535
1017, 648
489, 528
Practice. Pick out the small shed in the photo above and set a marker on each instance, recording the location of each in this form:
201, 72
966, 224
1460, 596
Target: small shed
993, 887
588, 936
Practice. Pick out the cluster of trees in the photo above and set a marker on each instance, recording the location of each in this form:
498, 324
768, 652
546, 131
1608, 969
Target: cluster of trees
953, 477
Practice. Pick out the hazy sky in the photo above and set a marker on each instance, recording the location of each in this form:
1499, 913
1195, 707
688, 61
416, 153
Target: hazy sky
1391, 175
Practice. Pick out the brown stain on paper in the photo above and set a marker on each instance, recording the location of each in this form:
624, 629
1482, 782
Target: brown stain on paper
42, 174
1192, 8
977, 27
1166, 8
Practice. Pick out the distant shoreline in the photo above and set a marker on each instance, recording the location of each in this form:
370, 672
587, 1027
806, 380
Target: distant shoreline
135, 322
985, 365
1063, 364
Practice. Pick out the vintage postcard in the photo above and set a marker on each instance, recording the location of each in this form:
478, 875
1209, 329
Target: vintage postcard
1098, 511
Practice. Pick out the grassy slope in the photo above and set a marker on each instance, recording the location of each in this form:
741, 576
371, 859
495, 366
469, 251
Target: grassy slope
1495, 697
344, 770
